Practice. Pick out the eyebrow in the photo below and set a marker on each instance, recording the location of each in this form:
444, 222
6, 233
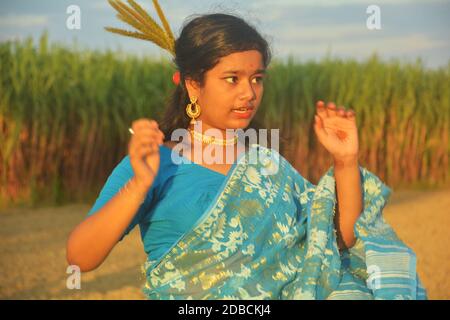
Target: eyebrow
240, 71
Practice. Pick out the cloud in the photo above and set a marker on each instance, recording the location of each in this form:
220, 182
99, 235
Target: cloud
23, 20
322, 32
334, 3
394, 45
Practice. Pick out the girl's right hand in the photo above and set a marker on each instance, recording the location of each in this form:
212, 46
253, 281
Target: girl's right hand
143, 150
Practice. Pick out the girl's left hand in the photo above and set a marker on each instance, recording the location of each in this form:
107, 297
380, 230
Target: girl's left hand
337, 131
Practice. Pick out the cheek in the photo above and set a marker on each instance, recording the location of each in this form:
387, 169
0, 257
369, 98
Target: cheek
217, 105
222, 99
216, 93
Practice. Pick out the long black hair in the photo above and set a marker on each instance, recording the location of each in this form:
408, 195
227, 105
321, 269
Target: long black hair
202, 42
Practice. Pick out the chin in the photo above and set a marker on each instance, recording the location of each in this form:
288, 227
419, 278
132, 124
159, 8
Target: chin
240, 123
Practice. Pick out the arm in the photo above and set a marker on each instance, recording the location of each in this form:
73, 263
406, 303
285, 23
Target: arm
337, 131
349, 200
93, 239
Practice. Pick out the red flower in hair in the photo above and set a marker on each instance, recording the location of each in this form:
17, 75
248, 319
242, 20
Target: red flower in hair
176, 77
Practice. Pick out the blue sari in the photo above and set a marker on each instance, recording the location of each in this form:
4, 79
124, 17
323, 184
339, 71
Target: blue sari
269, 234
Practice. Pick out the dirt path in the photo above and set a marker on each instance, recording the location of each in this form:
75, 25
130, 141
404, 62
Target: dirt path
422, 221
33, 265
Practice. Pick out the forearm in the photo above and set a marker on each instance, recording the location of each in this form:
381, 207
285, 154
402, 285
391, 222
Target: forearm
92, 240
349, 200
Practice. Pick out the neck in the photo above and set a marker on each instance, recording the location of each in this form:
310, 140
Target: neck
234, 149
202, 127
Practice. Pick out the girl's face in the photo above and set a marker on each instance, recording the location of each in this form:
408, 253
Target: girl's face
232, 91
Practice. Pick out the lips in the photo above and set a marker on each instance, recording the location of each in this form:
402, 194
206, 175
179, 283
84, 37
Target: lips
243, 109
243, 112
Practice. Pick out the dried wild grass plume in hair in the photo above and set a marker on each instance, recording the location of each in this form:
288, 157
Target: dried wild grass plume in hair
147, 29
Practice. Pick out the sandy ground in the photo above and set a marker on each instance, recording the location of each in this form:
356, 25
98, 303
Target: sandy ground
33, 265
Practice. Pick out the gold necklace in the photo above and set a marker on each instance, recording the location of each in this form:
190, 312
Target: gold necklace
211, 139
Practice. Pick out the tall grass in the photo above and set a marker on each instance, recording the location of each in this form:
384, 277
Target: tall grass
64, 115
402, 113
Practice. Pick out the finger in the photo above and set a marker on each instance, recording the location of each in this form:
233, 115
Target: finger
319, 129
144, 153
137, 125
341, 111
331, 109
146, 150
145, 122
321, 110
318, 121
153, 133
150, 137
136, 151
132, 146
151, 141
146, 131
351, 115
149, 132
138, 143
154, 146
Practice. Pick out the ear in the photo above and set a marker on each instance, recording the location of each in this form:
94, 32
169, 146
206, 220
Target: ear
192, 87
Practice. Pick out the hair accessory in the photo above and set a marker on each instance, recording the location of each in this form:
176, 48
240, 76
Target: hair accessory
176, 78
146, 28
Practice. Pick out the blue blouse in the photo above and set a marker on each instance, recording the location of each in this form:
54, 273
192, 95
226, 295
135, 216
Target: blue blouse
178, 197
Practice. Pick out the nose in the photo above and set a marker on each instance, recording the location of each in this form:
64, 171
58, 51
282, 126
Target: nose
247, 91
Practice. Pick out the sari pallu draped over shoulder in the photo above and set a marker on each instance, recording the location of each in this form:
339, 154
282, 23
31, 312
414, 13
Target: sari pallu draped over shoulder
270, 234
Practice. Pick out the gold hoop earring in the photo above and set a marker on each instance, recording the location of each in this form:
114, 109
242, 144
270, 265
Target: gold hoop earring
193, 114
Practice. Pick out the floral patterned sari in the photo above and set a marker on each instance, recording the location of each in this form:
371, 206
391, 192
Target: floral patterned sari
269, 234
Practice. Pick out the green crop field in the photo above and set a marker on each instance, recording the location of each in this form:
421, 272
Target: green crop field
64, 114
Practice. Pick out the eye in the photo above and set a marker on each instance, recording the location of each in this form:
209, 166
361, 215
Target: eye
234, 78
258, 79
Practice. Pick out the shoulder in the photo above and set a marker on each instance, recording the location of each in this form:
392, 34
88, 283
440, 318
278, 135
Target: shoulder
167, 154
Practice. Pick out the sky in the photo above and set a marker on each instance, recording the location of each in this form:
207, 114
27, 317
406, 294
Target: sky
301, 29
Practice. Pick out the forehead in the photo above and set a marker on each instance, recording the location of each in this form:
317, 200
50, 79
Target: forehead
244, 61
